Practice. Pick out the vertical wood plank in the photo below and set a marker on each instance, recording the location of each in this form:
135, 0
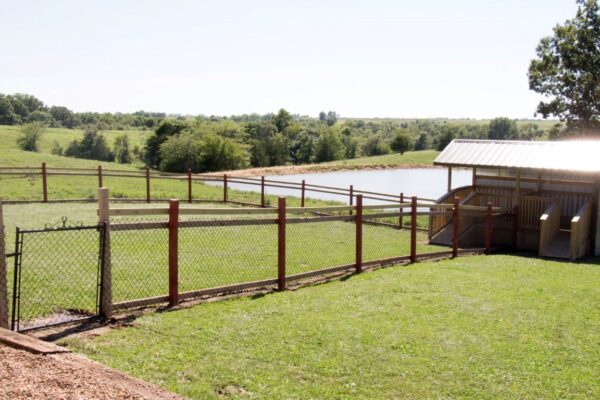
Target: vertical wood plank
3, 275
44, 182
189, 186
100, 176
413, 229
351, 193
224, 188
281, 216
302, 193
105, 265
449, 179
401, 217
262, 191
173, 252
455, 226
488, 229
147, 185
359, 233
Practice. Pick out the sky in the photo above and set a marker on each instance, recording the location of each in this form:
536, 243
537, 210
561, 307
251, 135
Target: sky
377, 58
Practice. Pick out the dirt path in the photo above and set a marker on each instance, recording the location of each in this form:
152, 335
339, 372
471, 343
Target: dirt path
315, 168
24, 375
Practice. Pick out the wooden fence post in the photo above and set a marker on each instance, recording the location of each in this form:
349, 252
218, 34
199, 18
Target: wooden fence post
455, 226
44, 182
100, 176
281, 243
147, 185
173, 252
488, 229
359, 232
351, 197
3, 276
401, 217
302, 193
224, 188
105, 265
413, 229
190, 186
262, 191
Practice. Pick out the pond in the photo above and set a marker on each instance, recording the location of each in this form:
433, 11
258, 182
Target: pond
422, 182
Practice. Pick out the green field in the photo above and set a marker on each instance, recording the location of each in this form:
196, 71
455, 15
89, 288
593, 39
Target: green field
413, 158
496, 327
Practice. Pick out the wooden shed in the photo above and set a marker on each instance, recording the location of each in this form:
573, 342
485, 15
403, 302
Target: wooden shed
548, 193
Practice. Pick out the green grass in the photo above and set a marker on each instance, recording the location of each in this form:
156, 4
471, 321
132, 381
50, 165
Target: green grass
497, 327
424, 157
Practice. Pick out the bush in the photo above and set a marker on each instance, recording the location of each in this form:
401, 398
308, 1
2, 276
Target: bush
375, 146
30, 136
329, 147
121, 149
91, 147
401, 142
57, 149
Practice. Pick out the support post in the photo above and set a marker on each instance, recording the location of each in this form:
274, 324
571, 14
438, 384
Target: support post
3, 276
401, 217
100, 176
281, 243
224, 188
488, 229
351, 192
44, 182
262, 191
359, 232
147, 185
455, 226
190, 186
173, 252
302, 193
474, 177
449, 179
413, 229
105, 264
515, 227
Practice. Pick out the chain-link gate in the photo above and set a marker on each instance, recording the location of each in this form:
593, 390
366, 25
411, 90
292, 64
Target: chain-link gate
56, 276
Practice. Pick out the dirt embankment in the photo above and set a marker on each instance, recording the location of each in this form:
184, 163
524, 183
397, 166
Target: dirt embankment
315, 168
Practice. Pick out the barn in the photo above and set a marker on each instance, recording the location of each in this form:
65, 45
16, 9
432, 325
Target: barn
547, 191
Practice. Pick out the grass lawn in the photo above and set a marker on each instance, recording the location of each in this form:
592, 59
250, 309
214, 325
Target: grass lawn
476, 327
424, 157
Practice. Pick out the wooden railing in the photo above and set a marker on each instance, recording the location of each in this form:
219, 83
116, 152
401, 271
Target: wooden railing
438, 220
580, 231
549, 224
530, 209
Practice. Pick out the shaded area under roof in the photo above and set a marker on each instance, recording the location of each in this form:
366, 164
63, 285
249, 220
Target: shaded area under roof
568, 156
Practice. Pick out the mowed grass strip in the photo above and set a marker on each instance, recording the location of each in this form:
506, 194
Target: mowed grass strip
59, 268
496, 327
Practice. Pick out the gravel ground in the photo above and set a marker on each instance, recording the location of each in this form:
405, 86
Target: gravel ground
25, 375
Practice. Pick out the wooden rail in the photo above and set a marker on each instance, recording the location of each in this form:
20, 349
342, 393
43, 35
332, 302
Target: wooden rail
580, 231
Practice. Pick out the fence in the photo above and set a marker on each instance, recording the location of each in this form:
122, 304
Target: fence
170, 254
146, 180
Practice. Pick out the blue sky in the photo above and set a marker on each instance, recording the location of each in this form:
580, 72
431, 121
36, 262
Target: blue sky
463, 58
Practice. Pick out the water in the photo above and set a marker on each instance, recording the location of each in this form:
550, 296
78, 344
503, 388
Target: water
422, 182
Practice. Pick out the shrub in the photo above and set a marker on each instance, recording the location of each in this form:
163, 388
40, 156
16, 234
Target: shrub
30, 136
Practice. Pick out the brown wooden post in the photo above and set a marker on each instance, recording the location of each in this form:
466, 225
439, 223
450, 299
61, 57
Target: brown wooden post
105, 265
281, 243
359, 232
455, 226
413, 229
44, 182
401, 217
224, 188
173, 252
449, 179
351, 192
190, 186
515, 227
262, 191
474, 177
488, 229
3, 276
302, 193
147, 185
100, 176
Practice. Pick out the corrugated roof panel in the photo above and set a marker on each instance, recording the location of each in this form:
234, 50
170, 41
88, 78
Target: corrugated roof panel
574, 156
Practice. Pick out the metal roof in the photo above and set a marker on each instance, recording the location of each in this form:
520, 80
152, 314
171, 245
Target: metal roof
571, 156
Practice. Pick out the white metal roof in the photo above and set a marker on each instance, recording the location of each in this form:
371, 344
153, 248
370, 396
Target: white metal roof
571, 156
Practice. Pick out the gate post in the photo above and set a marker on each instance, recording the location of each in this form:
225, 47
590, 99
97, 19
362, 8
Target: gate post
358, 242
3, 276
44, 182
281, 218
413, 229
173, 252
105, 265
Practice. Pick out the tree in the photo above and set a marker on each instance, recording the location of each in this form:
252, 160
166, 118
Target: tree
423, 142
503, 129
331, 118
329, 147
376, 146
401, 142
567, 71
7, 112
92, 146
30, 136
166, 129
282, 120
178, 153
121, 149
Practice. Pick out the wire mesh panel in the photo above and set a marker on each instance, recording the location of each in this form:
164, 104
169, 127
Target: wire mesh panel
56, 276
315, 243
225, 252
139, 260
